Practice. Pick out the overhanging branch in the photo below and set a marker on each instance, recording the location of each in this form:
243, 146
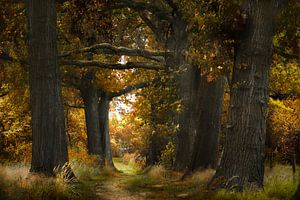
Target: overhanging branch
128, 65
106, 48
99, 64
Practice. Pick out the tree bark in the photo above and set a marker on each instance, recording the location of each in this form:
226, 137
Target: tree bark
89, 94
177, 42
242, 161
104, 128
154, 150
187, 82
189, 86
209, 114
49, 145
156, 141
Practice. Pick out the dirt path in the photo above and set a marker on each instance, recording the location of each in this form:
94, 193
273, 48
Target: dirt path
114, 189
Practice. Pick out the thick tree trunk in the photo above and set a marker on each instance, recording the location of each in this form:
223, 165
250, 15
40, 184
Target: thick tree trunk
156, 141
49, 145
189, 85
209, 123
177, 41
90, 97
154, 150
104, 128
242, 161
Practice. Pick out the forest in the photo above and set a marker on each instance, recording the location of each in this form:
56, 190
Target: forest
149, 99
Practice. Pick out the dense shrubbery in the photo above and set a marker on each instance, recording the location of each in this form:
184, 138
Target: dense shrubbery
284, 129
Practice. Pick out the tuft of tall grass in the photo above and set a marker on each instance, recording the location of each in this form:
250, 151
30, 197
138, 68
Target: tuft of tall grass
279, 184
127, 165
202, 177
159, 173
16, 184
85, 172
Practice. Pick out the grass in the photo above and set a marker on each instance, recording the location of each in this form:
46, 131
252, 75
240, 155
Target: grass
154, 183
16, 184
160, 183
129, 168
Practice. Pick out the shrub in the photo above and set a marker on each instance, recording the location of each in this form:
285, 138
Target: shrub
168, 156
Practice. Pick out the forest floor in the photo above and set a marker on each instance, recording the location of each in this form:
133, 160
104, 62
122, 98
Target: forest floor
139, 187
130, 183
115, 188
159, 183
154, 183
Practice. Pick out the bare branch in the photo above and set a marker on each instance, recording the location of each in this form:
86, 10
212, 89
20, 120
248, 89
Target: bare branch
128, 65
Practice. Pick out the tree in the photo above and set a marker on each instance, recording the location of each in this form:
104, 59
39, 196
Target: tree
168, 21
90, 95
243, 155
208, 126
170, 30
96, 106
105, 98
94, 87
104, 127
49, 145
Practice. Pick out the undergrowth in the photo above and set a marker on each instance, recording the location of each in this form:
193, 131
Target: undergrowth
18, 184
161, 183
155, 183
